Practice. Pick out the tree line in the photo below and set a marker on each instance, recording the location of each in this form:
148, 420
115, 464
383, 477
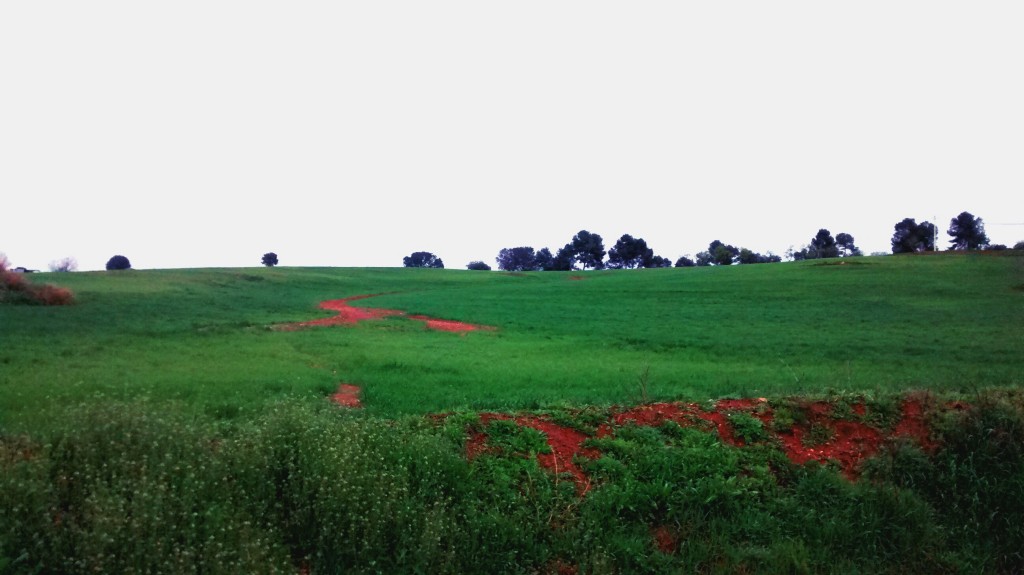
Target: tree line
586, 250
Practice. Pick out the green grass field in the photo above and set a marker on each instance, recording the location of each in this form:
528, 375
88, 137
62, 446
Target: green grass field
202, 337
161, 424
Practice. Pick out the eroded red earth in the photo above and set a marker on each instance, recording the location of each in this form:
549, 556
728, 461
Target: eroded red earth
819, 435
348, 314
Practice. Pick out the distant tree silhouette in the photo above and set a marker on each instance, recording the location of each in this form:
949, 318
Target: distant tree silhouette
521, 259
823, 245
64, 265
844, 242
564, 259
968, 232
629, 252
269, 259
1019, 245
587, 250
657, 262
480, 266
909, 237
545, 260
118, 263
422, 260
751, 257
685, 262
719, 254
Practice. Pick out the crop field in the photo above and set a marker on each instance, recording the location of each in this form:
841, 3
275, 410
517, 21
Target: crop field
842, 415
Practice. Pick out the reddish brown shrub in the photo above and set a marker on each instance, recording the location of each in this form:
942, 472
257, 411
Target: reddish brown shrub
12, 281
15, 289
53, 295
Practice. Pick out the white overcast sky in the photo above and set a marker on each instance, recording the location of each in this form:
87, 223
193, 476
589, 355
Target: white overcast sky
205, 133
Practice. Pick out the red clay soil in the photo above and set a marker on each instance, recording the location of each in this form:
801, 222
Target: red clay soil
347, 396
350, 315
844, 442
914, 426
665, 538
565, 443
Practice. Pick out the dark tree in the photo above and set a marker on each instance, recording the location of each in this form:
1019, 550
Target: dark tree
544, 260
521, 259
909, 237
1019, 245
685, 262
118, 263
479, 266
846, 246
824, 245
798, 255
269, 259
564, 259
928, 232
588, 250
751, 257
719, 254
968, 232
629, 253
657, 262
422, 260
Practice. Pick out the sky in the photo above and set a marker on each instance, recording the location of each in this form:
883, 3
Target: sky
206, 133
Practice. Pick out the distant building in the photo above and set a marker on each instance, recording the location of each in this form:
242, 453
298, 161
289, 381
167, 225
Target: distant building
21, 270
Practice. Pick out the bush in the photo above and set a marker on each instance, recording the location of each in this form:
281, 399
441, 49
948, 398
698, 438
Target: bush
269, 259
480, 266
15, 289
118, 263
53, 295
1018, 246
64, 265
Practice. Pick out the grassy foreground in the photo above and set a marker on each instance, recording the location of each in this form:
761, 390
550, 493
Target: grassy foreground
161, 425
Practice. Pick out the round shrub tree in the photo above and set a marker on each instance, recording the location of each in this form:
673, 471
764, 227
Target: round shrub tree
118, 263
422, 260
269, 259
481, 266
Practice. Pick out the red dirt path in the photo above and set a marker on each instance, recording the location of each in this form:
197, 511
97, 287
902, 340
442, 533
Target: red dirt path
350, 315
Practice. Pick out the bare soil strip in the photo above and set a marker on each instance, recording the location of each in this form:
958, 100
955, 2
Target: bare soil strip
350, 315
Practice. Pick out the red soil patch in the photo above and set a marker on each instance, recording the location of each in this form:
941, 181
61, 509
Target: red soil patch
846, 443
665, 539
565, 444
446, 324
349, 315
347, 396
818, 437
849, 444
914, 426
